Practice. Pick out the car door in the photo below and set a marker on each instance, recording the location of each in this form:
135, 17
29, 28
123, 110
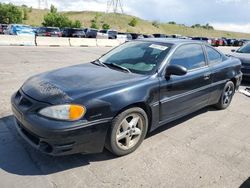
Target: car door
219, 70
181, 95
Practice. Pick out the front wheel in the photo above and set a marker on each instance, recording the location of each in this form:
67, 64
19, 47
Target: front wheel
127, 132
226, 96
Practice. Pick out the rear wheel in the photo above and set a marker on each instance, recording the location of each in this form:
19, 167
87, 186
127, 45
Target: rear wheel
127, 132
226, 96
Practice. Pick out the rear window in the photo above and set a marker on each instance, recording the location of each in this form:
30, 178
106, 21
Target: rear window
112, 32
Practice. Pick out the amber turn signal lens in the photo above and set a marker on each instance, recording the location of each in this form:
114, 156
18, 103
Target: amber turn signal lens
76, 112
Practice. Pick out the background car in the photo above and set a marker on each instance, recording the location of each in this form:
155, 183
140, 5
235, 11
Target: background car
148, 36
124, 36
158, 35
243, 54
90, 32
49, 32
18, 29
108, 34
136, 36
79, 34
230, 42
73, 32
238, 42
3, 27
202, 39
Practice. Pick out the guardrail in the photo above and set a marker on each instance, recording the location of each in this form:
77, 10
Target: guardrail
52, 41
13, 40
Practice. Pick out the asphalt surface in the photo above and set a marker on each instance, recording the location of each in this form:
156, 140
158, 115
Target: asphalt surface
209, 148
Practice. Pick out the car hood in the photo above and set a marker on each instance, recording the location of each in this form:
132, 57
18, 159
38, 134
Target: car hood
67, 84
244, 57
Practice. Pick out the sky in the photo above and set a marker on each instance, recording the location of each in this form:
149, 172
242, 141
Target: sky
231, 15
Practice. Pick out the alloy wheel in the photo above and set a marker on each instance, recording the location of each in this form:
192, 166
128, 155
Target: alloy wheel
129, 131
228, 93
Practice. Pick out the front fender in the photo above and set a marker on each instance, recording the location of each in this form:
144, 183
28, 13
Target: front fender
109, 103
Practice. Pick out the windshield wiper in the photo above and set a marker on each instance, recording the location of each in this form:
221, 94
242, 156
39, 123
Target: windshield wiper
98, 62
118, 66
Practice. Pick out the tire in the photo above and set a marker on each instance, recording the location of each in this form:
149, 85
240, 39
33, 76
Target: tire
127, 131
226, 96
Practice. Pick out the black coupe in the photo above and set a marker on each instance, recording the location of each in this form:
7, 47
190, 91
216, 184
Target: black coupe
115, 101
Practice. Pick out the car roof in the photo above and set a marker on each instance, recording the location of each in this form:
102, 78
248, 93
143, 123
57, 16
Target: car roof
173, 41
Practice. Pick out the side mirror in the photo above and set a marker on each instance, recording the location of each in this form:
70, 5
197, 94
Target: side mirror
177, 70
233, 50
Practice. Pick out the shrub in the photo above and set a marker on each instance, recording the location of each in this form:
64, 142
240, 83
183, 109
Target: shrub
133, 22
10, 13
94, 25
55, 19
105, 26
25, 14
76, 24
173, 23
156, 24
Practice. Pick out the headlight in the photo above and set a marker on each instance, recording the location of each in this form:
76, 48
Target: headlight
68, 112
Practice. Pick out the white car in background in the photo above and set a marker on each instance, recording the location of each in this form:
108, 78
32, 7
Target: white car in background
107, 34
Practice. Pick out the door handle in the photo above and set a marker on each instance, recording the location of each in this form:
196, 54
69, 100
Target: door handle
207, 76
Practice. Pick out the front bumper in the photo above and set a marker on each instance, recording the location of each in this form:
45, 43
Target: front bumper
60, 138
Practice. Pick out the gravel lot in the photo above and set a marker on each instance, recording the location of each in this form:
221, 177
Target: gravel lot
207, 149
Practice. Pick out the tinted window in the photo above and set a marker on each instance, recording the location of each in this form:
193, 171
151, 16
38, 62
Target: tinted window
190, 56
212, 55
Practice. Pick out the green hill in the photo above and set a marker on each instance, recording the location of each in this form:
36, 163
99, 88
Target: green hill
120, 22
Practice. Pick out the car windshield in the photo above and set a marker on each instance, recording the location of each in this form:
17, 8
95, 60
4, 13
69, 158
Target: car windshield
138, 57
244, 49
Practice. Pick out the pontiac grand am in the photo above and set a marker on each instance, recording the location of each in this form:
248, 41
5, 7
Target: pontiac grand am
116, 100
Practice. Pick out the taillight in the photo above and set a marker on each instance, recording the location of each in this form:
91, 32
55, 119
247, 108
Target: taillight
47, 34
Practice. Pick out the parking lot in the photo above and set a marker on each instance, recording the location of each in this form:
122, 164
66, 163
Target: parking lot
209, 148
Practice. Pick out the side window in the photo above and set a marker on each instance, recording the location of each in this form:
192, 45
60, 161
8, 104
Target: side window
190, 56
213, 56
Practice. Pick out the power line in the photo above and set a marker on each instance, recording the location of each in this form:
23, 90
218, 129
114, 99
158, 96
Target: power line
115, 6
43, 4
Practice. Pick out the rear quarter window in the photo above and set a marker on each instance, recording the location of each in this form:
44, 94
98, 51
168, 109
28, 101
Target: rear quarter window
213, 56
